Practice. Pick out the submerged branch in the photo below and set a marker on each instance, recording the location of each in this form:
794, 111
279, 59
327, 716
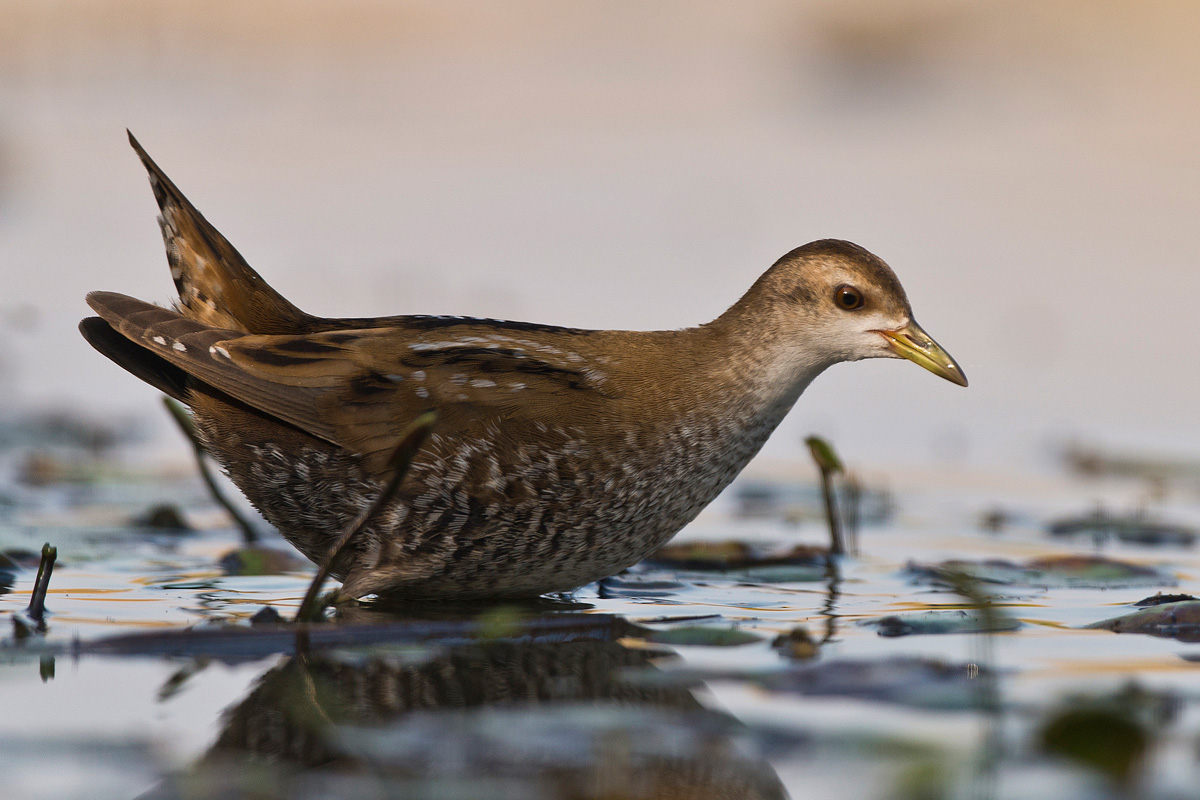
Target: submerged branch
34, 619
41, 585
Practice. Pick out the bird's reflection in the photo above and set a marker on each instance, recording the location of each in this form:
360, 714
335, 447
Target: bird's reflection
518, 715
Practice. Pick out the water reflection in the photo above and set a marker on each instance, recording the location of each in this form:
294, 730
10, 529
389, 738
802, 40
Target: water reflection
523, 715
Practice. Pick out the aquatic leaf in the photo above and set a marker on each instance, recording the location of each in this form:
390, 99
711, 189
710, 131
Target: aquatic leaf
1076, 571
267, 615
1110, 734
704, 635
258, 560
797, 644
1089, 570
1131, 529
501, 622
164, 517
783, 573
1177, 620
1161, 598
1105, 741
745, 561
722, 555
943, 621
823, 454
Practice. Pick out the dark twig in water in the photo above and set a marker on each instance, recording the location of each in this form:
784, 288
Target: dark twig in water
410, 442
828, 463
184, 420
33, 620
41, 585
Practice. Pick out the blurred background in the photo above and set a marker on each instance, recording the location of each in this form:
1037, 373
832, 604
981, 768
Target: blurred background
1029, 168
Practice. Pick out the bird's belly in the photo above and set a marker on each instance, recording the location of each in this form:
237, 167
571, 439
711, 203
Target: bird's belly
473, 520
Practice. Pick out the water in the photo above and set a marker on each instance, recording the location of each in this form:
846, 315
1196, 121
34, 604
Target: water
480, 704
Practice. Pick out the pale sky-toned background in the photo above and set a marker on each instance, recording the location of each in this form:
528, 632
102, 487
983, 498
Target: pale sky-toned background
1030, 168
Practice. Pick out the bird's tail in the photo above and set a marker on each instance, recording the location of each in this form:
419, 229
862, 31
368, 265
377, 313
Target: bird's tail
216, 286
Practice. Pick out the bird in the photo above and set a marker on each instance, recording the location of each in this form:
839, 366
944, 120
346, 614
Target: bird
560, 456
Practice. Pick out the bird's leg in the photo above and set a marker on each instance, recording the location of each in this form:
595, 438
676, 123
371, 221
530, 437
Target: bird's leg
411, 440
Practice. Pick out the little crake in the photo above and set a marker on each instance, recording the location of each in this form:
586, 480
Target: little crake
560, 455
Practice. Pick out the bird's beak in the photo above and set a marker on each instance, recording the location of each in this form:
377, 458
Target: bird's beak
916, 345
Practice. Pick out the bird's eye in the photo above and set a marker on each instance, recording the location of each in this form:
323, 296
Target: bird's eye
847, 297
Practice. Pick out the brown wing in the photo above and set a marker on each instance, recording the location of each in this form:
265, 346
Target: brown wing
198, 350
374, 380
358, 388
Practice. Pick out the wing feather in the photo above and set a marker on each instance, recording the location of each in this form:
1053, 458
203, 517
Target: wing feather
200, 351
358, 388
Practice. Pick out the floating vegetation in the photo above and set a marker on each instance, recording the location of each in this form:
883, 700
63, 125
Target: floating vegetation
1110, 734
164, 517
797, 644
745, 560
259, 560
1179, 619
1073, 571
942, 621
1138, 528
1102, 739
1161, 598
704, 635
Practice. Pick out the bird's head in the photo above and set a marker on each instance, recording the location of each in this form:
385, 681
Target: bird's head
842, 303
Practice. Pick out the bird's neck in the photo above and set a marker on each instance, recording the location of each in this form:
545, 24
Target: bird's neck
728, 387
762, 369
702, 418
